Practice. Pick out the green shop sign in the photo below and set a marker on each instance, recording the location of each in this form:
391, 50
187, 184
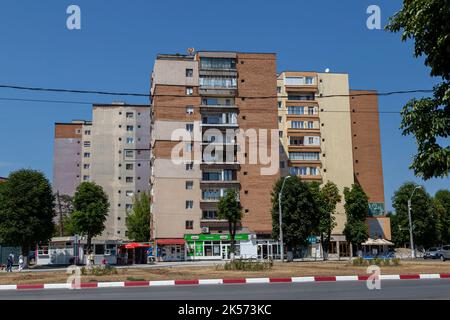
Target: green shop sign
215, 237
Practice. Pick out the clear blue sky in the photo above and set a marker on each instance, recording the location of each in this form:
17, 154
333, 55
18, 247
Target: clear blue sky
118, 42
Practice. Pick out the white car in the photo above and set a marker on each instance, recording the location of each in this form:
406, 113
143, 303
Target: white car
445, 252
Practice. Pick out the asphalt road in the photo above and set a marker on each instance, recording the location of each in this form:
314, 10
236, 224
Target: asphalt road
390, 289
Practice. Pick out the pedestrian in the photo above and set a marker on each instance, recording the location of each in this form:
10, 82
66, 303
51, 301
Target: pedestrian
10, 262
91, 259
21, 262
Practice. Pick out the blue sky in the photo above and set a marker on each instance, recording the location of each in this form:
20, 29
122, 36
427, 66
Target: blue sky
118, 42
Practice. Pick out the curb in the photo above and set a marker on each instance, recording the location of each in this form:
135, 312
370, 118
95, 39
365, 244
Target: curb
123, 284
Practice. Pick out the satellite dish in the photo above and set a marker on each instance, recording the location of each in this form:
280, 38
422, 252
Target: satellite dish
190, 51
327, 70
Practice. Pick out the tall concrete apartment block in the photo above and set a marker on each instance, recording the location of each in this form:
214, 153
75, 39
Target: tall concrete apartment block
67, 156
324, 138
112, 151
197, 93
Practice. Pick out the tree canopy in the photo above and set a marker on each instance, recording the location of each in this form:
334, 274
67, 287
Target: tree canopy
356, 208
26, 209
427, 23
138, 221
299, 212
229, 208
91, 210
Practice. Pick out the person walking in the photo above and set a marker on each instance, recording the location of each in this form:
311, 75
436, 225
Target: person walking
21, 263
10, 262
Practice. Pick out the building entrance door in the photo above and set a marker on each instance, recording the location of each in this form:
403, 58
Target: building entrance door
225, 250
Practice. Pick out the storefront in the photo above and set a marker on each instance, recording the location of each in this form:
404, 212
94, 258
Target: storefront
217, 246
170, 249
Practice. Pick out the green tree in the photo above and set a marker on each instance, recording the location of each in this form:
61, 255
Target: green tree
427, 22
64, 209
299, 212
327, 198
91, 209
229, 208
138, 221
424, 220
356, 208
441, 205
26, 210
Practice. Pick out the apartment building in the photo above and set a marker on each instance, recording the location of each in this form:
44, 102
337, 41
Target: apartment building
2, 180
328, 136
67, 156
205, 95
112, 151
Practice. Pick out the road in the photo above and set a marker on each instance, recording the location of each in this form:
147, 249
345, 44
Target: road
390, 289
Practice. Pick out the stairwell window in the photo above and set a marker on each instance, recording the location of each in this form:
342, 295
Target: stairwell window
189, 91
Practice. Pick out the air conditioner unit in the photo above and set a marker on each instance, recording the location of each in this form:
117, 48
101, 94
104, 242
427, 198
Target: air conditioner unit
205, 229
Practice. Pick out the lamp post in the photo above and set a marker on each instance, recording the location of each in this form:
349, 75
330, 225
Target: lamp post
411, 240
281, 219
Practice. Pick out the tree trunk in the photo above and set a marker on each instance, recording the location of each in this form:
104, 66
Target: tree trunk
88, 244
25, 251
232, 230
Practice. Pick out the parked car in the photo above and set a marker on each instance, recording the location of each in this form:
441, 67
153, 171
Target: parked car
432, 253
445, 253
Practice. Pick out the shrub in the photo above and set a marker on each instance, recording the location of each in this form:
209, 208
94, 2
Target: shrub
98, 270
396, 261
135, 279
358, 261
248, 265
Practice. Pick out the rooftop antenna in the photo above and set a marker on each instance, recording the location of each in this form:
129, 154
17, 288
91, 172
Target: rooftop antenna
190, 51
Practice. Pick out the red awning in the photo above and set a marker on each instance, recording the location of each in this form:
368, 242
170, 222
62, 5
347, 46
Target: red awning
134, 245
169, 241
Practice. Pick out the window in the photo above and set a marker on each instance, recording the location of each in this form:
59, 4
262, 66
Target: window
280, 119
310, 125
129, 166
313, 171
218, 63
87, 144
304, 156
129, 114
296, 141
189, 185
189, 73
282, 164
189, 204
280, 134
189, 91
129, 179
129, 153
189, 166
297, 124
309, 80
86, 178
279, 104
209, 214
217, 81
87, 155
296, 110
190, 127
130, 140
278, 89
189, 224
87, 132
190, 109
86, 166
310, 110
129, 193
128, 206
130, 128
78, 131
189, 146
294, 81
301, 97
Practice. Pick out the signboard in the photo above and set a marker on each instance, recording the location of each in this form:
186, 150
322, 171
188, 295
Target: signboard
376, 209
216, 237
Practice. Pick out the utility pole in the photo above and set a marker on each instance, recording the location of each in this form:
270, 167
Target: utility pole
61, 226
280, 218
411, 238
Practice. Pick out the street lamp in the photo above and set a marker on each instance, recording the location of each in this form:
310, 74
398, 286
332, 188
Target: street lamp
280, 219
411, 240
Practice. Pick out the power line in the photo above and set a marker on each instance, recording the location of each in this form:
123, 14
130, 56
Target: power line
73, 91
178, 107
15, 87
